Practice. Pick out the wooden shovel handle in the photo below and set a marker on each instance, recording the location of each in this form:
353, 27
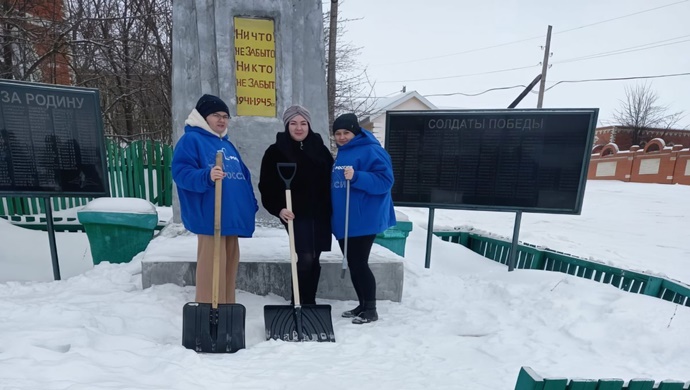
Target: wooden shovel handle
293, 254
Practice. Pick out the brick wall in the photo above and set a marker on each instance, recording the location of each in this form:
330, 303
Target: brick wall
622, 136
55, 67
656, 163
681, 174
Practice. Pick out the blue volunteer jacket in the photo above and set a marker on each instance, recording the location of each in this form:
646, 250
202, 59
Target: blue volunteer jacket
194, 156
371, 205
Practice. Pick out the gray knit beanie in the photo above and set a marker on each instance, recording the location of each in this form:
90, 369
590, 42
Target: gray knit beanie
293, 111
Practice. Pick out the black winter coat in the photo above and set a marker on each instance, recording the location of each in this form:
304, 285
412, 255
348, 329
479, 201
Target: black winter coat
310, 188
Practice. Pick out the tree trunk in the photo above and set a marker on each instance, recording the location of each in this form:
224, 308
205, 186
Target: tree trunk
332, 34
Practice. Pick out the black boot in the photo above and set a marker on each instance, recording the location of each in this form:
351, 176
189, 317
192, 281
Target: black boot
367, 315
354, 312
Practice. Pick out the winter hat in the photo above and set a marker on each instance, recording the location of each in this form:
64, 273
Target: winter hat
347, 122
208, 104
293, 111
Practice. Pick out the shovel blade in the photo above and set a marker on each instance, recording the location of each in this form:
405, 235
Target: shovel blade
220, 330
299, 323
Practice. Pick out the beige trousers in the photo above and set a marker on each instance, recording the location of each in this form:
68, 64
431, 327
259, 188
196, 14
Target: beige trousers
229, 263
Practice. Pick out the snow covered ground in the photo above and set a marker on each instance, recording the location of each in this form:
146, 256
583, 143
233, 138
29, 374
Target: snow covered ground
465, 323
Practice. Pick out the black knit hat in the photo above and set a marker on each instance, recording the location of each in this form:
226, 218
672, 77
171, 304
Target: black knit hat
208, 104
347, 122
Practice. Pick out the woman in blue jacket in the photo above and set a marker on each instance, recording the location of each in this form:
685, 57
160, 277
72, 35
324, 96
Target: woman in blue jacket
195, 173
362, 160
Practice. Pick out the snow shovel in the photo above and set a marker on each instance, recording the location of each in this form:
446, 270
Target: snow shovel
210, 327
347, 223
298, 322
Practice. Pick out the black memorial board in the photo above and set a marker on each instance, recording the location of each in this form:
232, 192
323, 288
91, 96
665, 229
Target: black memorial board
51, 141
532, 160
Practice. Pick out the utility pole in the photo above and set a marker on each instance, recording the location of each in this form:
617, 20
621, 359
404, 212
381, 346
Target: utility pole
544, 67
332, 37
512, 258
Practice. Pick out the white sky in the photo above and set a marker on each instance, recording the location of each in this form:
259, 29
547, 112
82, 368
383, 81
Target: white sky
405, 40
464, 323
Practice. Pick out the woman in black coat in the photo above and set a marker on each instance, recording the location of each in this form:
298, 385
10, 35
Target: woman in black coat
310, 188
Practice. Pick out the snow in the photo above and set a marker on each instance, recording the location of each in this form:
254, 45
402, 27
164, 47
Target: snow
465, 323
25, 254
401, 217
628, 225
121, 205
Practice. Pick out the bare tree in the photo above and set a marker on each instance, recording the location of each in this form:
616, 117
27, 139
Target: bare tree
353, 90
330, 60
120, 47
641, 111
671, 122
123, 48
33, 38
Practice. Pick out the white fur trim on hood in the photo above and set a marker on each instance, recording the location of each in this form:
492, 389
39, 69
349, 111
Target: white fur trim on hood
195, 119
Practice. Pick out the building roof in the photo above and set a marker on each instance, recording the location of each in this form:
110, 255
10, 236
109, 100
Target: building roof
389, 103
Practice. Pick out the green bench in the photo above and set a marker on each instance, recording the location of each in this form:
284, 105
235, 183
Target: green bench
530, 380
60, 224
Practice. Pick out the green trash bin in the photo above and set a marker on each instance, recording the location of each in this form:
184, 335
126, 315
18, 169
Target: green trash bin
394, 238
118, 228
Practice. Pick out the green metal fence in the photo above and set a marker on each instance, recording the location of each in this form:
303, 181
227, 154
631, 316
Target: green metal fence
532, 257
30, 206
528, 379
140, 169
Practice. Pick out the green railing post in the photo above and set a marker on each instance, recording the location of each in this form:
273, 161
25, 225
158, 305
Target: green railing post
158, 148
168, 176
130, 171
112, 173
149, 168
137, 163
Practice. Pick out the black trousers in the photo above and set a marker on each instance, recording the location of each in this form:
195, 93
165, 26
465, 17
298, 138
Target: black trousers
363, 280
308, 273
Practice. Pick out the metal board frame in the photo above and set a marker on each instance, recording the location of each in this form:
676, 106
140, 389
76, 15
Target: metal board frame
89, 93
448, 114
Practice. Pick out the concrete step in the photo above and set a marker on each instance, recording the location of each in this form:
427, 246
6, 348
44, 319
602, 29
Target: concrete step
265, 266
272, 276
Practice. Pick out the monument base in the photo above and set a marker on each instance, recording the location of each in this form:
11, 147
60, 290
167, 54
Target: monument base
264, 273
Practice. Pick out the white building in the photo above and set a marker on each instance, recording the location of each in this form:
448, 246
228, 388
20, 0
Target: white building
376, 122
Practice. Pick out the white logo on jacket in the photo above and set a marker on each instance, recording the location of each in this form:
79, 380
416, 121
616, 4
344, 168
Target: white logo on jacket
228, 157
232, 170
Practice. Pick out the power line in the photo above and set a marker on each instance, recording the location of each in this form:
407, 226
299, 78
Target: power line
461, 75
531, 38
622, 17
620, 79
647, 46
461, 52
559, 82
477, 94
